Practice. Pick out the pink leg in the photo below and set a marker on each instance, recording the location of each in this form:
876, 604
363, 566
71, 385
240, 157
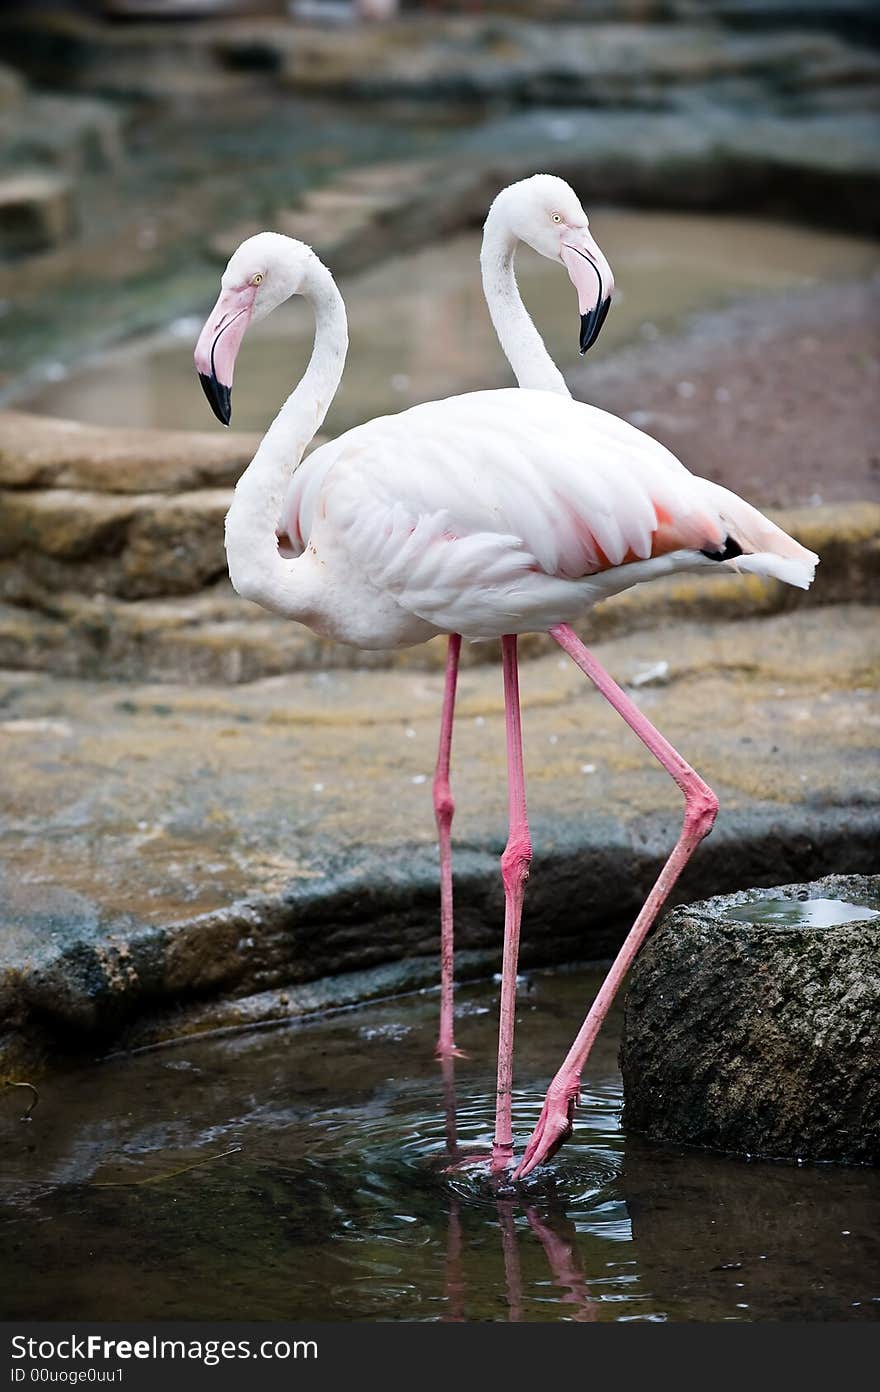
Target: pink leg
701, 807
448, 1066
444, 808
514, 871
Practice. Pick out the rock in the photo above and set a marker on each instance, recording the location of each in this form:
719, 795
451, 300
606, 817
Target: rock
856, 18
37, 210
67, 525
74, 134
644, 65
468, 58
132, 546
130, 60
170, 853
41, 452
823, 169
352, 222
760, 1038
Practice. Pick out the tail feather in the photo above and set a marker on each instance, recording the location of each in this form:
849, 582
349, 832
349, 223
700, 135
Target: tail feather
767, 549
793, 572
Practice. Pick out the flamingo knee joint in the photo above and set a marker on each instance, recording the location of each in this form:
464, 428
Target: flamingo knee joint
516, 860
701, 811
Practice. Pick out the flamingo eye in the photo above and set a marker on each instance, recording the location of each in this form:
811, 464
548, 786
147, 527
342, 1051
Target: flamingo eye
255, 280
555, 217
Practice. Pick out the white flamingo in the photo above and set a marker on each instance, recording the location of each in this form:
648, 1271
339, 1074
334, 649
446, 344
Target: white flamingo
519, 213
486, 516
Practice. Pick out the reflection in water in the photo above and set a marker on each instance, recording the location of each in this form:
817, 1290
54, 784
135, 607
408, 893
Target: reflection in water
512, 1272
553, 1230
454, 1283
341, 1203
558, 1237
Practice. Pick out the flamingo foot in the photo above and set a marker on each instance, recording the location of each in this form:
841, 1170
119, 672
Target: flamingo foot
501, 1158
482, 1167
448, 1051
555, 1125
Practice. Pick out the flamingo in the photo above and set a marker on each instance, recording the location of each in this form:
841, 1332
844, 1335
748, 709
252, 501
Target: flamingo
485, 516
518, 213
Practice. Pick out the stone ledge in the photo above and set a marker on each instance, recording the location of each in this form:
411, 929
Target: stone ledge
42, 452
465, 59
132, 546
460, 57
73, 134
37, 210
822, 167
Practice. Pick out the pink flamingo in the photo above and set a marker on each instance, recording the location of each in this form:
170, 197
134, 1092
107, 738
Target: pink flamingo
483, 516
519, 213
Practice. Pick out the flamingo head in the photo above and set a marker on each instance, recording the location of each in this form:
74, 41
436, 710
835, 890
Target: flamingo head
262, 273
545, 212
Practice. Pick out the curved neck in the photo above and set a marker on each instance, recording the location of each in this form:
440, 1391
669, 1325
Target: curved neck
523, 346
256, 569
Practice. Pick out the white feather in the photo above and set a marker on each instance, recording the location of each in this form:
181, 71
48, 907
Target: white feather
509, 511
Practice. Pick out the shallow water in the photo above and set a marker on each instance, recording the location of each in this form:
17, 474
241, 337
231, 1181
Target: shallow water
797, 913
325, 1192
420, 330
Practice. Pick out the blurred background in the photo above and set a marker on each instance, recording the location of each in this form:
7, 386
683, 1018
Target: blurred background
726, 150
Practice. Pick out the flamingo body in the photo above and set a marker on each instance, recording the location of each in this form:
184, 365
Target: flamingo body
505, 512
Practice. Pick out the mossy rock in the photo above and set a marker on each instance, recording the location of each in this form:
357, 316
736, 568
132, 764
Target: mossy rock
760, 1037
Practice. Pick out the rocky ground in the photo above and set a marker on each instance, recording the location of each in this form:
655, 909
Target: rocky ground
180, 858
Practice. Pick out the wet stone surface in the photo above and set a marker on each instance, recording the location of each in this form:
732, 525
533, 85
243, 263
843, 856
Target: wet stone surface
299, 1173
752, 1024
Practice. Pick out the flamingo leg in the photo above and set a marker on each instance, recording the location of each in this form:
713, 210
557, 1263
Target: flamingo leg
444, 809
701, 807
515, 863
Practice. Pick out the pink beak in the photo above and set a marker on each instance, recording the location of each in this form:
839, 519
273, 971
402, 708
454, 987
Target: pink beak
591, 276
218, 346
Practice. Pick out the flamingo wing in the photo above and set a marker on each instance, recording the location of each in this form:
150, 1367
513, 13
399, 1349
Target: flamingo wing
487, 512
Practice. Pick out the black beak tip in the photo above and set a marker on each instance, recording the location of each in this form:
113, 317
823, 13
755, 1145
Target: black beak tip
591, 325
219, 397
